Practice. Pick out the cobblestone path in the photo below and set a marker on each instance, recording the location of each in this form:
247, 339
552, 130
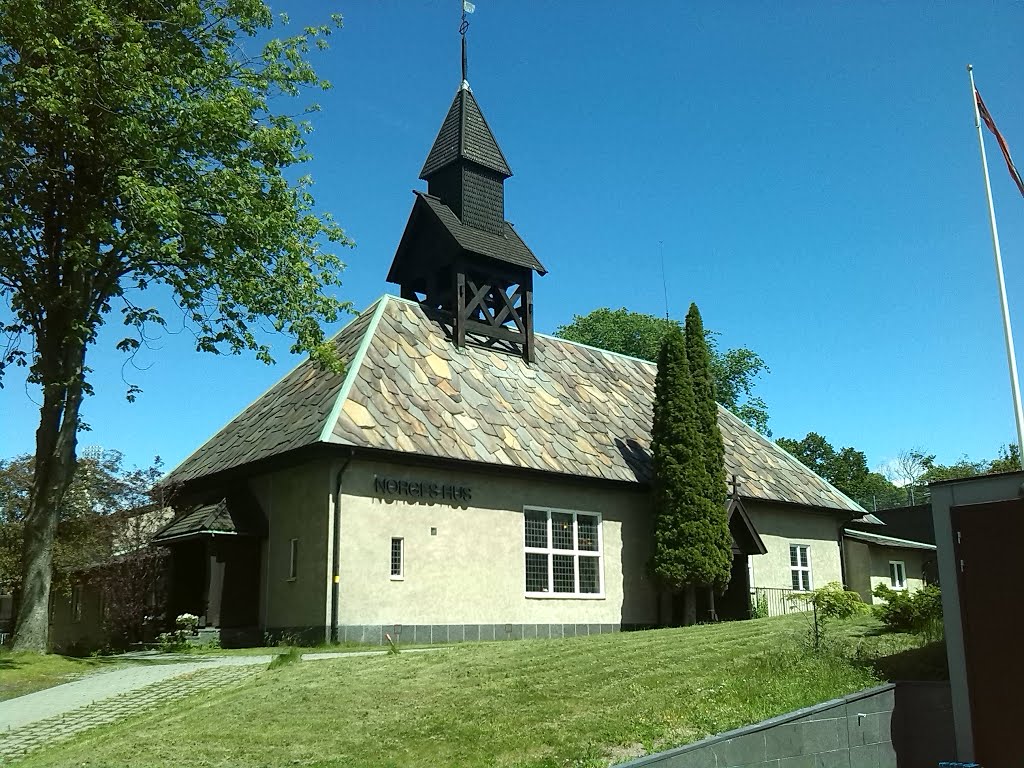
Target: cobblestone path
18, 742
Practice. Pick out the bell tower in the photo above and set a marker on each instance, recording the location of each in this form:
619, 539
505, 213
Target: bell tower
458, 257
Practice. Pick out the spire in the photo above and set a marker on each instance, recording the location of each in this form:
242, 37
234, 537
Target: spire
458, 257
465, 135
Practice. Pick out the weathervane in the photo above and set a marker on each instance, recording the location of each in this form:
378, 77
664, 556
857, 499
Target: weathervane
467, 7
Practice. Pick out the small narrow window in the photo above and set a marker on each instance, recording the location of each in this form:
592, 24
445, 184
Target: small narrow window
897, 574
293, 559
800, 567
76, 602
397, 559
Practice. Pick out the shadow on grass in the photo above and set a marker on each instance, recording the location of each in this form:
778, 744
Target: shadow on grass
925, 663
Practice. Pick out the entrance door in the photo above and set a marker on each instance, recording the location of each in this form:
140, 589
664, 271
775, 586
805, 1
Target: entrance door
987, 556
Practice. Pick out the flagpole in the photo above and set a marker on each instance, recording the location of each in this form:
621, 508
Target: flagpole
1007, 330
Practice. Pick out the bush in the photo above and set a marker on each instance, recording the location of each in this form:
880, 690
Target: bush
759, 606
832, 601
918, 612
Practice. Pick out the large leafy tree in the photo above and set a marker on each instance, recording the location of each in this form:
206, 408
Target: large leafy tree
735, 371
148, 144
687, 537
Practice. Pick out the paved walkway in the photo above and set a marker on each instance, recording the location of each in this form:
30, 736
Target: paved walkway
50, 716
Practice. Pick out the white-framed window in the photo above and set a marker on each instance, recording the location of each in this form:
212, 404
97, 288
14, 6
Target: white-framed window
397, 559
897, 574
800, 567
293, 559
563, 552
76, 602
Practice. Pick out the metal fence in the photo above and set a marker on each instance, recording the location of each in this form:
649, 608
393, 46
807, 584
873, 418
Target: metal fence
777, 601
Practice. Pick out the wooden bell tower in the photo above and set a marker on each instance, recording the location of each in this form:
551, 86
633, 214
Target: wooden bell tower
458, 257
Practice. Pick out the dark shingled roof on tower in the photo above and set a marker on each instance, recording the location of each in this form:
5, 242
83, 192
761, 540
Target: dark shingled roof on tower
508, 247
577, 411
465, 134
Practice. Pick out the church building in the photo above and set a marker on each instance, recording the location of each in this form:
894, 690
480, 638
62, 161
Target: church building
465, 478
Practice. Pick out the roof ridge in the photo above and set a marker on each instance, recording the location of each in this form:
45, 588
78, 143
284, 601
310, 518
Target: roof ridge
353, 367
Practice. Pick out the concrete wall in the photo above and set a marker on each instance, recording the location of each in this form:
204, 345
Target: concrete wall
852, 732
297, 503
781, 525
464, 561
906, 725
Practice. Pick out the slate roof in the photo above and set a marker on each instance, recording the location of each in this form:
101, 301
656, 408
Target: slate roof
577, 411
217, 518
465, 134
886, 541
508, 246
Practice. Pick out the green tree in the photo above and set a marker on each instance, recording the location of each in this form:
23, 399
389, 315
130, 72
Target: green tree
686, 544
846, 469
1008, 459
717, 568
101, 489
146, 144
735, 371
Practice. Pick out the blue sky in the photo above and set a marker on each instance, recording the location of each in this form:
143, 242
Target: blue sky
811, 169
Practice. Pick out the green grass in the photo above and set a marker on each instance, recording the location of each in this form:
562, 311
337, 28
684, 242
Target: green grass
22, 673
274, 650
575, 702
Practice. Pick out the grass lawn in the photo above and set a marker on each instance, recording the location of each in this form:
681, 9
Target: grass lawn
586, 701
22, 673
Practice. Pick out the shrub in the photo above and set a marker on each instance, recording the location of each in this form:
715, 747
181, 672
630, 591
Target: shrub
831, 601
759, 606
918, 612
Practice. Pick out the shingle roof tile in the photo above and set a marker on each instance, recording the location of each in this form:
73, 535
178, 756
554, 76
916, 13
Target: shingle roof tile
577, 410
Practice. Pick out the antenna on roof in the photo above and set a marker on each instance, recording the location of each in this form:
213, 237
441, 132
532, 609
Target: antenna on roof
664, 282
467, 7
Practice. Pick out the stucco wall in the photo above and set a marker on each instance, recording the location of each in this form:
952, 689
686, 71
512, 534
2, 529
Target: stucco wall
472, 571
297, 503
912, 562
781, 525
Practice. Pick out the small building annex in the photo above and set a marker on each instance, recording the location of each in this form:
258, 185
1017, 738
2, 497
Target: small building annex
465, 477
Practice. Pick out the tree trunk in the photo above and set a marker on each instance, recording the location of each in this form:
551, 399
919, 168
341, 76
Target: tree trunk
690, 615
61, 368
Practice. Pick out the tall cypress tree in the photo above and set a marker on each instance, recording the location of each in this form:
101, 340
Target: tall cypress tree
686, 535
718, 538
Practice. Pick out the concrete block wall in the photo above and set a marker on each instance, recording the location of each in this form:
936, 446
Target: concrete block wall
851, 732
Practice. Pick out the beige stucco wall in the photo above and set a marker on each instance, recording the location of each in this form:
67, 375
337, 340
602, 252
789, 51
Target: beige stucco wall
473, 570
781, 525
297, 504
913, 560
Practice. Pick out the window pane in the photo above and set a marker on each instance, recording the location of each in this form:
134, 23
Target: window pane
590, 580
565, 576
792, 556
536, 529
803, 556
561, 530
796, 580
396, 557
806, 575
536, 572
586, 533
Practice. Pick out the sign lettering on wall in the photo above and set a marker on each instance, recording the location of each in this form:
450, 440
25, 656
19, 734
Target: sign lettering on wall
420, 489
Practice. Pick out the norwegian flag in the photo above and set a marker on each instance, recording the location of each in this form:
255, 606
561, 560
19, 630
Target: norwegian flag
983, 111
